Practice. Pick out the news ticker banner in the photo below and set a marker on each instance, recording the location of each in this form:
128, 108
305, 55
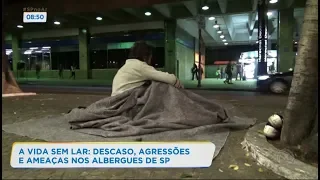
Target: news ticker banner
112, 155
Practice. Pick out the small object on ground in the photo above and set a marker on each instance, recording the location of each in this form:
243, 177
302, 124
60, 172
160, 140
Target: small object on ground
270, 132
246, 164
247, 154
14, 112
220, 170
260, 170
234, 167
275, 121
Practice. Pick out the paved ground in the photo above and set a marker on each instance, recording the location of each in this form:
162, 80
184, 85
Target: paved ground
208, 83
23, 108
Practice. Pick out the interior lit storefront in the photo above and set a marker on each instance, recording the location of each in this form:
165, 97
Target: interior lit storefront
37, 56
30, 58
249, 61
33, 56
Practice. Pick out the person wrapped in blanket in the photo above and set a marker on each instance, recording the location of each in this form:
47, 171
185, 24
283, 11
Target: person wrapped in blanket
137, 71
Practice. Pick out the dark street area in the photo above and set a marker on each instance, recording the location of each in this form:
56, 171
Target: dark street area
17, 109
107, 90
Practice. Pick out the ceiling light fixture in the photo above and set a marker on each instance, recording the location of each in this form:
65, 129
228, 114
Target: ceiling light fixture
273, 1
56, 23
224, 40
19, 26
216, 25
225, 43
212, 18
296, 42
147, 13
222, 36
205, 8
269, 13
257, 42
46, 47
33, 48
219, 31
99, 18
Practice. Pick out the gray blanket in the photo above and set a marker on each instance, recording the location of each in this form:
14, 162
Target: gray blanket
152, 109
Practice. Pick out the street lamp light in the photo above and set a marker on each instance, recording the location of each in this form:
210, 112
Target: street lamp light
219, 31
216, 25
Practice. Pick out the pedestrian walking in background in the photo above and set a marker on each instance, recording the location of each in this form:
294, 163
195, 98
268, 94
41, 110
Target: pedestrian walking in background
218, 73
194, 71
229, 73
61, 71
221, 73
38, 68
272, 68
200, 72
73, 72
239, 71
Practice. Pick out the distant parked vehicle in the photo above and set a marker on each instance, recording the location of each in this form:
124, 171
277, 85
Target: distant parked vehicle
278, 83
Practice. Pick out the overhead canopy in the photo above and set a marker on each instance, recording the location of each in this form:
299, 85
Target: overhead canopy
237, 19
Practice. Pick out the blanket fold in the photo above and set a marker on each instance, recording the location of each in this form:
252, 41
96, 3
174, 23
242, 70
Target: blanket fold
151, 109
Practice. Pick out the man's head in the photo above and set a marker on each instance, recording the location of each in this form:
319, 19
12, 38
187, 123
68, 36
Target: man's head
141, 51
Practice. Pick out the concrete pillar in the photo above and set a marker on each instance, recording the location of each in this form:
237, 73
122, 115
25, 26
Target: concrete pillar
84, 60
16, 54
285, 41
170, 64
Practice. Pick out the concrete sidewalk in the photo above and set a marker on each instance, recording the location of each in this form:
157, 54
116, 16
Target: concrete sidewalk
208, 84
19, 109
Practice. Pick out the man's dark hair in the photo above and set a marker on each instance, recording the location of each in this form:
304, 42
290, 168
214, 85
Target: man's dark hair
140, 50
